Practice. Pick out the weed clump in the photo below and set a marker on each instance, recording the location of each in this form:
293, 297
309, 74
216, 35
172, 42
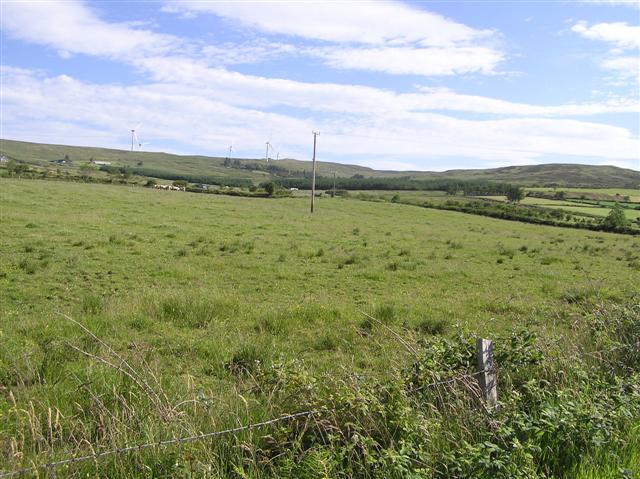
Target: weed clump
326, 342
245, 360
91, 304
454, 244
194, 313
28, 266
432, 326
353, 258
237, 246
386, 313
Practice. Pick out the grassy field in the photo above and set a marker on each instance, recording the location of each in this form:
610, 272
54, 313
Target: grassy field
576, 207
632, 193
200, 285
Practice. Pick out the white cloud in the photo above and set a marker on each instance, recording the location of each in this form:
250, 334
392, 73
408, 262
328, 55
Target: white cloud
248, 90
367, 22
626, 67
620, 34
253, 52
191, 117
389, 37
622, 37
71, 27
429, 61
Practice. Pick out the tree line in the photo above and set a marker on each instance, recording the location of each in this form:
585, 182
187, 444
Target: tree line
358, 182
205, 179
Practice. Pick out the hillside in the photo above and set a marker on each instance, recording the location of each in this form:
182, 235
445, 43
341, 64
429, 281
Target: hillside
566, 175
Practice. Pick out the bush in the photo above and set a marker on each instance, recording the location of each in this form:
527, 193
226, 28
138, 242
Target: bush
615, 220
270, 188
515, 194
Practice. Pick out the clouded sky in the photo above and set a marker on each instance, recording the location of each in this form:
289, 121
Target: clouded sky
396, 85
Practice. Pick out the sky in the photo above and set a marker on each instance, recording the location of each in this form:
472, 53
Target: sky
400, 85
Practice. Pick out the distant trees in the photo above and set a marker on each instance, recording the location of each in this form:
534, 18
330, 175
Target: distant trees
270, 188
515, 194
15, 168
560, 195
86, 170
205, 179
452, 189
615, 220
469, 187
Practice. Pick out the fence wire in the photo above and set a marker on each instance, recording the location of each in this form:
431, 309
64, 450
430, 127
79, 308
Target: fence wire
140, 447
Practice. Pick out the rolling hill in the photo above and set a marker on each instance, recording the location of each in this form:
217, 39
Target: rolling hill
565, 175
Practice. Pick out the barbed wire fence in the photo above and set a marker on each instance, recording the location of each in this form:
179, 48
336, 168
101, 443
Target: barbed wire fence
485, 374
198, 437
148, 445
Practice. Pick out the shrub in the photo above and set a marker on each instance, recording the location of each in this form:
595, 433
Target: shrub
615, 220
515, 194
270, 188
245, 360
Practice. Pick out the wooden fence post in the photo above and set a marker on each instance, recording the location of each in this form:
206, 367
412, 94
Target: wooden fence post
487, 374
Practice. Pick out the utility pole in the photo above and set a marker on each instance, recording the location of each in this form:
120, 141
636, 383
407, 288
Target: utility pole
333, 194
313, 177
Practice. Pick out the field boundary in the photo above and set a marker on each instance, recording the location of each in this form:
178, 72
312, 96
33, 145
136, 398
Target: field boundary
166, 442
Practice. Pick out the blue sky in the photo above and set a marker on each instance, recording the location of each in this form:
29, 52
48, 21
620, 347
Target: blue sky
393, 85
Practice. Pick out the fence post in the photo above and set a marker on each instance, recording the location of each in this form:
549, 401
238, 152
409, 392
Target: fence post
487, 375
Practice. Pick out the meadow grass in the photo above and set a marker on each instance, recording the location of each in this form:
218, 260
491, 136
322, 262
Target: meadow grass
206, 289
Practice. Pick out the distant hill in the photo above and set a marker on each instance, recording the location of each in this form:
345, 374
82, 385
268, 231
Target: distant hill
565, 175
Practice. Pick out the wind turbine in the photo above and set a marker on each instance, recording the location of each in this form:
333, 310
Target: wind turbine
135, 137
266, 155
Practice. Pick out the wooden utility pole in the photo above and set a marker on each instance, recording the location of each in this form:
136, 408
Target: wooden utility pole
313, 175
333, 195
487, 375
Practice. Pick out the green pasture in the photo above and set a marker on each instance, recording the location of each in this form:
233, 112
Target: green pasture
632, 193
277, 278
197, 284
572, 206
65, 242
